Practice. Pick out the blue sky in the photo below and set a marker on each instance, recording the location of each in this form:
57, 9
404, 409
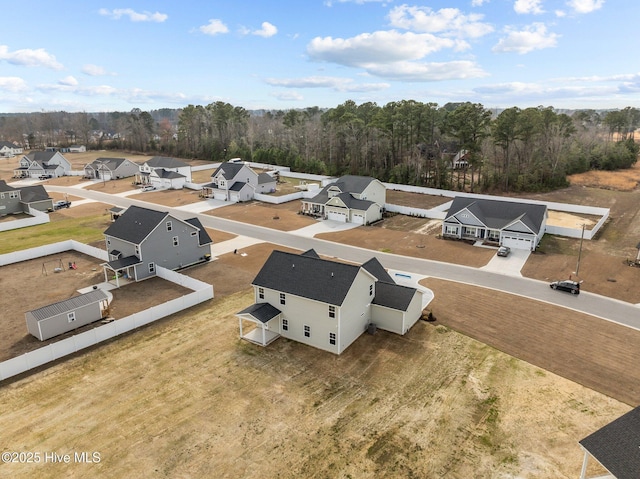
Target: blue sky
283, 54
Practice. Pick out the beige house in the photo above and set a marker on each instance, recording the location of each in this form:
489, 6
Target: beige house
325, 304
349, 199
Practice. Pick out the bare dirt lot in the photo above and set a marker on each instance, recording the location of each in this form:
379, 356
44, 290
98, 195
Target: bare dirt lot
185, 397
283, 217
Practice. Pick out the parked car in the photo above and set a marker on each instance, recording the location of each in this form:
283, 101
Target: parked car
61, 204
148, 188
504, 251
568, 285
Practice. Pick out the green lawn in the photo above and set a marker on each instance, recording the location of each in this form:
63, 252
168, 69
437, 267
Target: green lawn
85, 230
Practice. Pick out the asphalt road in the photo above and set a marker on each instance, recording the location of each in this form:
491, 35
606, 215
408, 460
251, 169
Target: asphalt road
603, 307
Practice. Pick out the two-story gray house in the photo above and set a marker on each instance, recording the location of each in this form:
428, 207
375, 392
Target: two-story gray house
237, 181
325, 304
142, 239
164, 172
21, 200
42, 164
349, 199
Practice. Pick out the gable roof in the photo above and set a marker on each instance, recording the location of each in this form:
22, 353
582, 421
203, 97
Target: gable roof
42, 157
263, 312
308, 277
110, 163
353, 183
5, 187
265, 178
354, 203
135, 224
68, 305
203, 236
374, 267
165, 162
615, 446
229, 170
497, 214
394, 296
169, 174
237, 185
311, 253
8, 144
30, 194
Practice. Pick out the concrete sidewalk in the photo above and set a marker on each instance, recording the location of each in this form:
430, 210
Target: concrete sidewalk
412, 280
323, 226
234, 244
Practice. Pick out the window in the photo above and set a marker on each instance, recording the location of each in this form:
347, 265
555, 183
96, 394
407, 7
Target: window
152, 268
194, 233
332, 338
370, 290
261, 293
13, 194
307, 331
175, 241
137, 250
285, 325
71, 317
332, 311
169, 226
1, 196
282, 298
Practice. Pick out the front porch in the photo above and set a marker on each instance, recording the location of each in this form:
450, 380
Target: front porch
121, 271
263, 322
312, 209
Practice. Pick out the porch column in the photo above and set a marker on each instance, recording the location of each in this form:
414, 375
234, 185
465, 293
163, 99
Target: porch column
240, 323
585, 462
264, 336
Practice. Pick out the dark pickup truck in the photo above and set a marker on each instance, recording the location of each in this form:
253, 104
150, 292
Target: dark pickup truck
61, 204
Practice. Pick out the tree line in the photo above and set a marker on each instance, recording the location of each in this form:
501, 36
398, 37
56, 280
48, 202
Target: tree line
408, 141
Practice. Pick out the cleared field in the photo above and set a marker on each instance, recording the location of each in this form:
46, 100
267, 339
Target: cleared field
186, 398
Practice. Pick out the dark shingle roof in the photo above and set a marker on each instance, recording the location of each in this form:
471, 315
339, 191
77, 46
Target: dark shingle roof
308, 277
162, 173
109, 163
237, 186
352, 183
122, 263
615, 446
5, 187
229, 170
310, 253
374, 267
135, 224
165, 162
8, 144
497, 213
30, 194
41, 156
69, 305
393, 295
354, 203
203, 236
263, 312
265, 178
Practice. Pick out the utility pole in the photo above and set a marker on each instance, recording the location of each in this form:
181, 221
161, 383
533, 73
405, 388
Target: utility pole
580, 250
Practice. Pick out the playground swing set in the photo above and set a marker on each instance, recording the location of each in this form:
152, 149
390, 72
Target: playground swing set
57, 266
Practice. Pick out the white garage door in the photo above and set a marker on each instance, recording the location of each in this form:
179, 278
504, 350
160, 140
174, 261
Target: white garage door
336, 216
358, 219
517, 243
106, 175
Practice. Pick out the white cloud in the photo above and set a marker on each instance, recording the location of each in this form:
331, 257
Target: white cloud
288, 96
12, 84
214, 27
377, 47
449, 21
93, 70
267, 30
30, 58
528, 6
533, 37
68, 81
334, 83
427, 72
478, 3
560, 13
585, 6
134, 16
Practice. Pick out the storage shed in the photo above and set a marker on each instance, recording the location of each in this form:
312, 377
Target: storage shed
64, 316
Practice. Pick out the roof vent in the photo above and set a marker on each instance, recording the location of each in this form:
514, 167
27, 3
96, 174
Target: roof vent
293, 265
332, 274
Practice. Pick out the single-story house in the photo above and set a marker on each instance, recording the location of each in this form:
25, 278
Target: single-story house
141, 239
9, 149
616, 447
77, 149
162, 162
507, 223
349, 199
42, 164
237, 181
325, 304
111, 169
64, 316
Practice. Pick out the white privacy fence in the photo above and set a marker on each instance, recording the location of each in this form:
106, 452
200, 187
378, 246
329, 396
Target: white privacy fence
38, 218
59, 349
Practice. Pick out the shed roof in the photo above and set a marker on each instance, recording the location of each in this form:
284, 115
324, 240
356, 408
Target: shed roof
615, 446
68, 305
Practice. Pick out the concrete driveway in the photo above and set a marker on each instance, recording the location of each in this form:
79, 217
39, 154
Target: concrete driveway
510, 265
